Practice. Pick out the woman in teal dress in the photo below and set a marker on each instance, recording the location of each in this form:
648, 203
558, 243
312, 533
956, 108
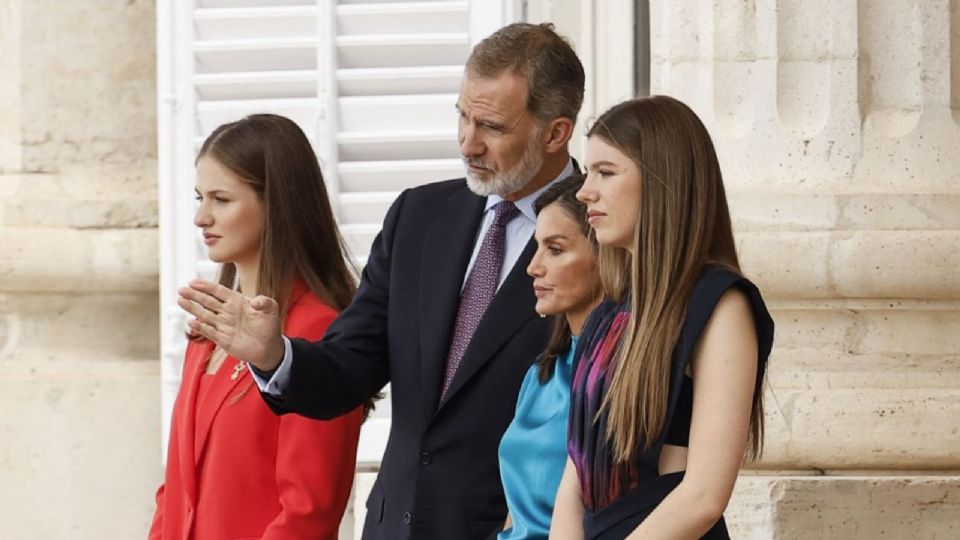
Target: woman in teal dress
567, 284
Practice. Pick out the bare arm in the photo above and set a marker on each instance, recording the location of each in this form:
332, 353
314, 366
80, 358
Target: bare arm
567, 522
724, 369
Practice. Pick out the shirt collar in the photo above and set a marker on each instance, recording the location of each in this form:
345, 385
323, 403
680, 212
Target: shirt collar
525, 205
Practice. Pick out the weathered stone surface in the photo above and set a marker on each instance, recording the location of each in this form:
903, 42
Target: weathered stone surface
114, 197
847, 507
11, 113
73, 326
777, 212
88, 83
918, 329
81, 448
63, 260
854, 264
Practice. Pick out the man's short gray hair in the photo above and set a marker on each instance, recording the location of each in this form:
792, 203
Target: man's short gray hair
540, 56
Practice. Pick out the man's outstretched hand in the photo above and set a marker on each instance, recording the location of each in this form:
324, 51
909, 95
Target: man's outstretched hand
246, 328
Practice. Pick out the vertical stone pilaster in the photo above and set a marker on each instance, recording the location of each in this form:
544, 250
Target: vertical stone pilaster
79, 390
10, 112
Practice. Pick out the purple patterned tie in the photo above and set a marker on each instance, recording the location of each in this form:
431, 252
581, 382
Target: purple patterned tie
480, 287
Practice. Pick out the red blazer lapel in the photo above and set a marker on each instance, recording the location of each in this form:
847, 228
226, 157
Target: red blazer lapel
195, 361
221, 387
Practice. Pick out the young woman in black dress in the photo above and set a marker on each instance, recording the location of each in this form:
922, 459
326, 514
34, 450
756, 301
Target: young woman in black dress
666, 397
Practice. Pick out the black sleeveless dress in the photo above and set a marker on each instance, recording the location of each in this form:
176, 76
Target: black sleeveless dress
618, 497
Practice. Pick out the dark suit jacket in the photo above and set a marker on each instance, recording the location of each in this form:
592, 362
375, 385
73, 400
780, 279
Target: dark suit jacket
439, 477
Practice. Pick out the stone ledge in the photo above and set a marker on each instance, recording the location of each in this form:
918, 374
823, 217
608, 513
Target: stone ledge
69, 260
863, 264
869, 331
861, 428
72, 327
845, 508
800, 212
105, 198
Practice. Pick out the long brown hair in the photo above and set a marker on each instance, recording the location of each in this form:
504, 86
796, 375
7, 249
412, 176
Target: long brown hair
564, 195
299, 238
683, 225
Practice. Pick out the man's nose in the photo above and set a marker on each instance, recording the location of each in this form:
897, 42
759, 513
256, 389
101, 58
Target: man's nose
471, 144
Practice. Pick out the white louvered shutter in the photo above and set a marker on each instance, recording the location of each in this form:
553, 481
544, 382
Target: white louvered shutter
372, 84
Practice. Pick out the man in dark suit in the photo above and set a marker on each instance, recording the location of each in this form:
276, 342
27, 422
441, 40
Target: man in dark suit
444, 310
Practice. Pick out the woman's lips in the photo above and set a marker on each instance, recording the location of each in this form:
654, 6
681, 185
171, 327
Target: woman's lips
595, 216
540, 292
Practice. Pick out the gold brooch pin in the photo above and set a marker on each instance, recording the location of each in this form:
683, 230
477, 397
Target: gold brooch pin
237, 370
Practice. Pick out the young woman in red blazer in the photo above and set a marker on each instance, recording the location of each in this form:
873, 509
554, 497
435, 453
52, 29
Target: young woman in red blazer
234, 469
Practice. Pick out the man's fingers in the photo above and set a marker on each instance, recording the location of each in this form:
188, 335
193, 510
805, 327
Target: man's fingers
198, 311
206, 330
201, 298
217, 291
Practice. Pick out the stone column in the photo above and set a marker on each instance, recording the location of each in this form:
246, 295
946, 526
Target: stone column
837, 123
79, 392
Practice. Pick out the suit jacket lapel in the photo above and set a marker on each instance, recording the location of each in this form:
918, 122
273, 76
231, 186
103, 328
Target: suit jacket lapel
446, 253
511, 308
186, 418
221, 387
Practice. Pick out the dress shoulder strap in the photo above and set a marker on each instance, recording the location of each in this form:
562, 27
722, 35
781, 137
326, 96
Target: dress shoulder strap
714, 281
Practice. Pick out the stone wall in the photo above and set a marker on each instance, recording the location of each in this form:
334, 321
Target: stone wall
79, 394
836, 123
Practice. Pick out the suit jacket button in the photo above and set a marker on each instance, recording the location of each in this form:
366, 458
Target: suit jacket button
425, 458
407, 518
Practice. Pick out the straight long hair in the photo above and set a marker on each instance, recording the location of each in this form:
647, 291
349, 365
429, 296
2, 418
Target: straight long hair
683, 225
299, 238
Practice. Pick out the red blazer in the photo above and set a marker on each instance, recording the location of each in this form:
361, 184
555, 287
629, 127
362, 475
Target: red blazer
235, 470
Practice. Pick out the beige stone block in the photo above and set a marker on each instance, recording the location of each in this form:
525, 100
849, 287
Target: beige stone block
89, 327
864, 388
869, 264
862, 428
874, 331
10, 107
787, 264
80, 456
109, 197
101, 105
845, 508
895, 264
61, 260
819, 369
908, 211
768, 212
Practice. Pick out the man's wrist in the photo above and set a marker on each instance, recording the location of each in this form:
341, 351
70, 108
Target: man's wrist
273, 358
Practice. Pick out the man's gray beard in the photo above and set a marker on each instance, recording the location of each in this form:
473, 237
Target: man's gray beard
513, 180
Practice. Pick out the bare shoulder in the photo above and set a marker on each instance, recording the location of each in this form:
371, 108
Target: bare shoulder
730, 334
732, 310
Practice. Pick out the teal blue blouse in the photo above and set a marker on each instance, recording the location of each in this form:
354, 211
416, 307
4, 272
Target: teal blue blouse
533, 451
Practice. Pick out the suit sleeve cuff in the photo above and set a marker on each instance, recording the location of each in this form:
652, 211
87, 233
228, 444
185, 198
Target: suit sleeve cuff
274, 382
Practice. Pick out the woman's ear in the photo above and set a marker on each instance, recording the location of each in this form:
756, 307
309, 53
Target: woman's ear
557, 133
